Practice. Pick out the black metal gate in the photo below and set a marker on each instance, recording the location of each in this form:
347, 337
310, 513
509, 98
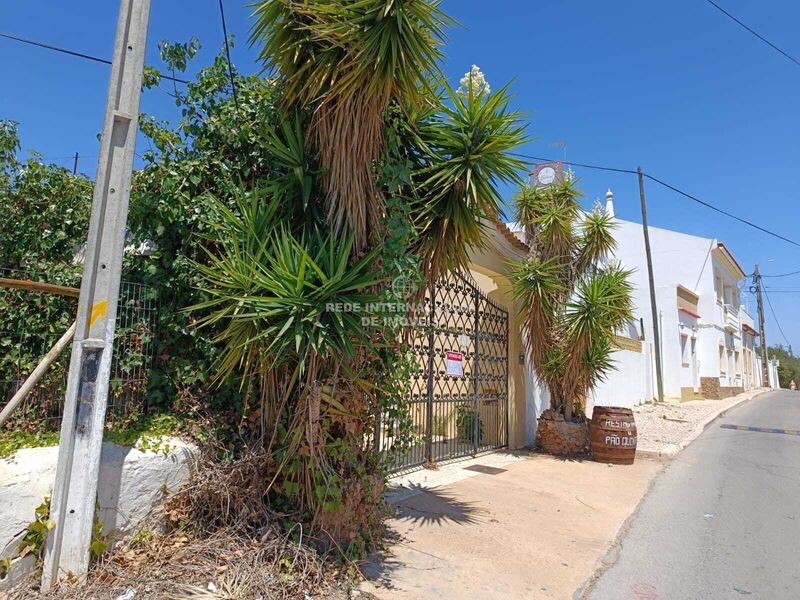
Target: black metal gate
454, 415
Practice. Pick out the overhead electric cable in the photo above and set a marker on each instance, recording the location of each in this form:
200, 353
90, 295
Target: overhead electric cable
721, 211
759, 36
228, 55
16, 38
784, 274
667, 185
573, 164
774, 316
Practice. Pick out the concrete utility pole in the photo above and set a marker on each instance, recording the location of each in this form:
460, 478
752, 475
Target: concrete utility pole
75, 490
762, 331
654, 308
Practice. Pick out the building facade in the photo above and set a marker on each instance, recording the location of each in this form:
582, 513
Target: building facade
707, 341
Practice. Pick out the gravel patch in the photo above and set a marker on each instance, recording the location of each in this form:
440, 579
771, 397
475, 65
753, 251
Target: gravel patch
663, 427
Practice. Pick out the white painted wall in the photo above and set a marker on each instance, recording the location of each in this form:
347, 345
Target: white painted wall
131, 485
630, 384
694, 263
537, 400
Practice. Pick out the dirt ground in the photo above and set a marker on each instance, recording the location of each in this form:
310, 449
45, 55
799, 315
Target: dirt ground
536, 527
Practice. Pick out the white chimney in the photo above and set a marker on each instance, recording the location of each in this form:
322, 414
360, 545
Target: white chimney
610, 203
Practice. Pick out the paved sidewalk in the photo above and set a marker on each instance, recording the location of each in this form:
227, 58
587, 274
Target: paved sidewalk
665, 429
530, 526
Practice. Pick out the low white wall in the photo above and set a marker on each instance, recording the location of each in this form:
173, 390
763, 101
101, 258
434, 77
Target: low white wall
631, 382
131, 485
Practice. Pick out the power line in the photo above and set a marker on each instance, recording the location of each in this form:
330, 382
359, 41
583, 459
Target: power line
573, 164
774, 316
762, 38
16, 38
784, 274
228, 55
721, 211
666, 185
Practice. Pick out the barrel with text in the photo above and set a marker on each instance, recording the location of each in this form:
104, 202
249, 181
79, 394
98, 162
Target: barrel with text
613, 435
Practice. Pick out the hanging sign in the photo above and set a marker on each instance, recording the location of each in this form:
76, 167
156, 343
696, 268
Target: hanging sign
455, 364
548, 173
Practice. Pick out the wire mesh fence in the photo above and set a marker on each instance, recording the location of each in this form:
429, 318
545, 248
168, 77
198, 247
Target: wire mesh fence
31, 322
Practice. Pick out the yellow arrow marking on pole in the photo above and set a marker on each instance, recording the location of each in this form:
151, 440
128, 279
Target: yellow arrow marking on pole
98, 310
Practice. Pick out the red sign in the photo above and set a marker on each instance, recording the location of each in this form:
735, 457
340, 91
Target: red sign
455, 363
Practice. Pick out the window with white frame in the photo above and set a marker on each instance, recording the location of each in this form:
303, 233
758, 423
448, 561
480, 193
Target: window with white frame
684, 350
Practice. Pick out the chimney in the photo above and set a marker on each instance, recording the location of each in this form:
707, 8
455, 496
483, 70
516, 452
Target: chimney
610, 203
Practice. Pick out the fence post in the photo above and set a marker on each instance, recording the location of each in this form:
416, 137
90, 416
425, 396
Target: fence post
431, 367
475, 372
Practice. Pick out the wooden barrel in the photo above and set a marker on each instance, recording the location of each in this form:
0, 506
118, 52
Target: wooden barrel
613, 435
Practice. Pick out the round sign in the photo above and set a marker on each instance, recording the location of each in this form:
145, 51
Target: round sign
546, 176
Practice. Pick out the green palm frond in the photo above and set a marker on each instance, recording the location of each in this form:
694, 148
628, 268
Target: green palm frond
597, 239
277, 298
469, 142
529, 202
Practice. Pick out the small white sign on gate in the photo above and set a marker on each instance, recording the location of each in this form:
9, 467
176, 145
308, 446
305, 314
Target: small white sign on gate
455, 364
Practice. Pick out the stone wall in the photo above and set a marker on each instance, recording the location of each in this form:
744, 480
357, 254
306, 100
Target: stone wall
709, 388
132, 484
560, 437
727, 392
712, 390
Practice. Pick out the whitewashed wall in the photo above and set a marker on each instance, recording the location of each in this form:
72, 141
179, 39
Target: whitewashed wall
630, 384
132, 484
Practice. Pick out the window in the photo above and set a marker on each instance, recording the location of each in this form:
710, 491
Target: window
737, 361
723, 360
719, 288
685, 350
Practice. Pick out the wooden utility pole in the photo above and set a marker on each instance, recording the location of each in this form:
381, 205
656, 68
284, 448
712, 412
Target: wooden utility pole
762, 331
75, 489
75, 165
654, 308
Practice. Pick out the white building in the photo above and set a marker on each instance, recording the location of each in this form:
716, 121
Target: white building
709, 344
708, 347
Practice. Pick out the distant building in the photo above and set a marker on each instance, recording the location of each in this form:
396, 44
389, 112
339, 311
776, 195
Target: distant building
709, 343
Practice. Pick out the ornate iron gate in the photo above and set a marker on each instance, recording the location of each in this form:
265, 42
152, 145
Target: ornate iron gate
456, 416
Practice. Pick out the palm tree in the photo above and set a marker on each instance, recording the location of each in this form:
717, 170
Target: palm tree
573, 300
346, 60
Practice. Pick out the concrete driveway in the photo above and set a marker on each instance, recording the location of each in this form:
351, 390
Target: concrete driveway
534, 527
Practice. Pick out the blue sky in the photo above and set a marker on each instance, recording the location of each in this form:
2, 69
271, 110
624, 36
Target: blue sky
674, 86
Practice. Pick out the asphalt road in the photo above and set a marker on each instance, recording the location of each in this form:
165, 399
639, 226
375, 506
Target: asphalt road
723, 520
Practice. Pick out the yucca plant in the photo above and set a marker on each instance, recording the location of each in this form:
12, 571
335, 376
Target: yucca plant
276, 300
467, 144
346, 60
572, 297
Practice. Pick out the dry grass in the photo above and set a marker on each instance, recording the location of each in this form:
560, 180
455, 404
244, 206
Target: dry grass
219, 532
181, 566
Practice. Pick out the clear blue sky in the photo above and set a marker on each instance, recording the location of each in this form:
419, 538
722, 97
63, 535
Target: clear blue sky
674, 86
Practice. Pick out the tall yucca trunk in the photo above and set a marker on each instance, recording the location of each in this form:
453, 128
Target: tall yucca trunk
347, 131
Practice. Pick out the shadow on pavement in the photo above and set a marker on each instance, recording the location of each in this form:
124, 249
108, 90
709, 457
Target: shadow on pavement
435, 506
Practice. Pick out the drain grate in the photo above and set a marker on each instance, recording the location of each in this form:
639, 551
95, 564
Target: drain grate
485, 469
